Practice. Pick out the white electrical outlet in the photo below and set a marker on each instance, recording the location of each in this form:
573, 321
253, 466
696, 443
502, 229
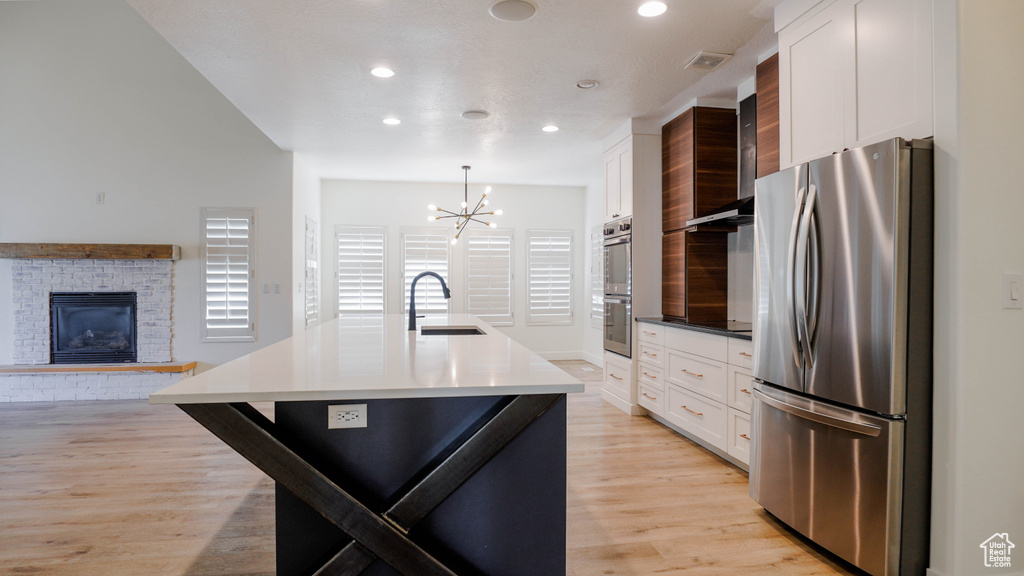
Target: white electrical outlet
346, 416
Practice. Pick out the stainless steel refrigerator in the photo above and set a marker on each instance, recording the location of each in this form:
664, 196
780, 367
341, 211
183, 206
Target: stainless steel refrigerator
842, 353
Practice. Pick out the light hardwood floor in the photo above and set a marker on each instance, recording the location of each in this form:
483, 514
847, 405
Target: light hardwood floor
118, 488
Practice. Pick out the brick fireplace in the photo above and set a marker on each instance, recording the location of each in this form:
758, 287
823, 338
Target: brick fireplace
103, 270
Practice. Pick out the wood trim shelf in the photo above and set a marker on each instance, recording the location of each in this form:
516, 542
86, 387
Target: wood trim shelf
91, 251
162, 367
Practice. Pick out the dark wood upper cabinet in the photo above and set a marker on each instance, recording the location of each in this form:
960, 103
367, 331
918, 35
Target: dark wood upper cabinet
698, 164
767, 81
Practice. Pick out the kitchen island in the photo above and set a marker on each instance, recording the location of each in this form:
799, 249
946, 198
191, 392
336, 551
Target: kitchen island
459, 468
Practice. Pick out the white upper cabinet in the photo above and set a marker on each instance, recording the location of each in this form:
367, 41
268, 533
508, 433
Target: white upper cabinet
618, 181
854, 72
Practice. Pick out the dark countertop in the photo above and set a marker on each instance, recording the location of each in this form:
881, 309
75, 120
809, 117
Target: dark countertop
730, 328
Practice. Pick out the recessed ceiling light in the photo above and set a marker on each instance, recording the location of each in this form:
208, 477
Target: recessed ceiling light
587, 84
382, 72
475, 114
392, 121
550, 128
513, 10
650, 9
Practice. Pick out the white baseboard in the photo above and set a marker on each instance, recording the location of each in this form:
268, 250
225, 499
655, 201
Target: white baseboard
595, 360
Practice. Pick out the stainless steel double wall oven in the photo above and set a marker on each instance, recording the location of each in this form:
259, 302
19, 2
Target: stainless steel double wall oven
618, 315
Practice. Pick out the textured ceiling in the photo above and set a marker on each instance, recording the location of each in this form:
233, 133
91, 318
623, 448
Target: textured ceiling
300, 70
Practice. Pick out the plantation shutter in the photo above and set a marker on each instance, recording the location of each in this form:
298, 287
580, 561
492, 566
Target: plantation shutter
489, 276
360, 270
423, 251
549, 263
228, 275
596, 278
312, 280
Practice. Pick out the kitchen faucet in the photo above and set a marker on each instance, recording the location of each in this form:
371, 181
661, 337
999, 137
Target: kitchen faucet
412, 295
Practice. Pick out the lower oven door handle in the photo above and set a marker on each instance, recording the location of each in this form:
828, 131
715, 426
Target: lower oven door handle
616, 300
828, 420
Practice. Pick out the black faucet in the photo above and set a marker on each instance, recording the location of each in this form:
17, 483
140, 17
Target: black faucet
412, 295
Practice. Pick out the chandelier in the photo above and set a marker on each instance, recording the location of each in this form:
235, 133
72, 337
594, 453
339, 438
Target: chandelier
466, 215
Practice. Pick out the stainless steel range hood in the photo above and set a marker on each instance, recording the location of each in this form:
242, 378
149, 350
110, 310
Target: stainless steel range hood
735, 213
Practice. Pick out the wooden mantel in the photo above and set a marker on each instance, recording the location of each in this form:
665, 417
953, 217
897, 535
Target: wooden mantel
92, 251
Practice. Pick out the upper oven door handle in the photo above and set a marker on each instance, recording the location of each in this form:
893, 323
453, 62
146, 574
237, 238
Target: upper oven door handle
616, 299
617, 241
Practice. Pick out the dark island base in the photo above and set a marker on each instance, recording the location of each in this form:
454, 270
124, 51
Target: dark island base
507, 518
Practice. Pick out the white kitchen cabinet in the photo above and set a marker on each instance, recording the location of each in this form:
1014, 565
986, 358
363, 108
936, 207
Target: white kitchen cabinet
618, 382
618, 180
854, 72
739, 436
698, 383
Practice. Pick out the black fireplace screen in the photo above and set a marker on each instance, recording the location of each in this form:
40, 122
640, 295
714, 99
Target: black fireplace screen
92, 327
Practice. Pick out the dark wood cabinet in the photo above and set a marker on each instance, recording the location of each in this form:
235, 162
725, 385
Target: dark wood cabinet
698, 175
767, 81
695, 275
698, 164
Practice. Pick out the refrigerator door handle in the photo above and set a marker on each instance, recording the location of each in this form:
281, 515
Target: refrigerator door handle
800, 265
790, 276
814, 258
826, 419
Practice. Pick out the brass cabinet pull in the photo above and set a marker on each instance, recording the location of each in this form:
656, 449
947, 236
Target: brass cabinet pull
691, 411
646, 353
691, 373
651, 377
650, 333
649, 397
744, 390
744, 436
614, 376
745, 354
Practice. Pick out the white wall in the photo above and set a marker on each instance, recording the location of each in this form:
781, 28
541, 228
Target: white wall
397, 204
979, 365
95, 101
593, 334
305, 204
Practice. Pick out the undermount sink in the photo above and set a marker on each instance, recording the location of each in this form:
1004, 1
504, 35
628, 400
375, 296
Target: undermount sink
450, 331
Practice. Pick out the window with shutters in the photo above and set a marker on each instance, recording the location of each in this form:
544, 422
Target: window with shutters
228, 298
596, 277
312, 277
425, 249
488, 286
361, 253
550, 282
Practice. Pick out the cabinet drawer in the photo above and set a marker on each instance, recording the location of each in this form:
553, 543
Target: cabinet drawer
652, 354
651, 377
699, 416
618, 378
699, 343
739, 436
741, 386
741, 353
698, 374
651, 399
651, 333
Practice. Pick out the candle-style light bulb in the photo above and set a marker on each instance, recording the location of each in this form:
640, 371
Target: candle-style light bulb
486, 202
463, 204
487, 190
492, 224
455, 240
498, 212
431, 207
431, 218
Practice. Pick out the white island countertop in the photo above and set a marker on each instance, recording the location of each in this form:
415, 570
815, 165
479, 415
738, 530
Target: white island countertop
376, 357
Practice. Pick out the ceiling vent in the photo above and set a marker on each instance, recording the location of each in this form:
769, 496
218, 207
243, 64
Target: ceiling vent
707, 60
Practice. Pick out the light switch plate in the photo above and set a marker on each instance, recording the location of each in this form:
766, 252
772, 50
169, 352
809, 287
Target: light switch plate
1013, 291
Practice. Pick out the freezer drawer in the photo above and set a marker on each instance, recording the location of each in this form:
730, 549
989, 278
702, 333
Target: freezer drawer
831, 474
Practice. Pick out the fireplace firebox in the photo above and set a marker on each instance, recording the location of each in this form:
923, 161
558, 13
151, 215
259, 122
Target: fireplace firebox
92, 327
